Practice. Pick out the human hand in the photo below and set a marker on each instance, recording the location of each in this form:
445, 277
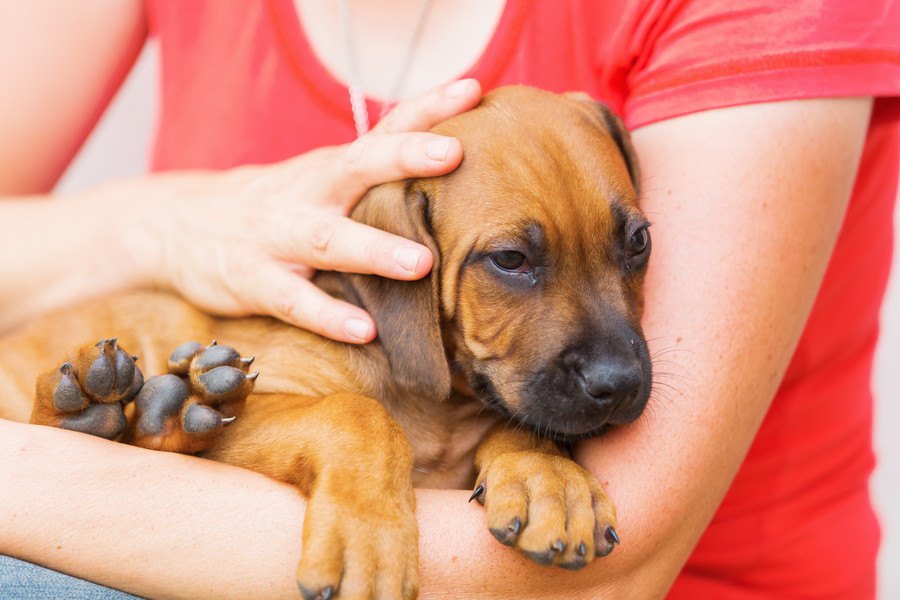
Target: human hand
247, 241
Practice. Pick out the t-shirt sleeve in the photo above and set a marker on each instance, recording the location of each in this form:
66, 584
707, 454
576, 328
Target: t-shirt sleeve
676, 57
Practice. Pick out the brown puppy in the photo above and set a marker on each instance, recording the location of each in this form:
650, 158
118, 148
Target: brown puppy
531, 315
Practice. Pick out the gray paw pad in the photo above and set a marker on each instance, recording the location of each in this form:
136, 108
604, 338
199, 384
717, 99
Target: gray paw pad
217, 356
137, 383
103, 420
102, 373
67, 396
222, 381
125, 371
200, 419
180, 359
161, 397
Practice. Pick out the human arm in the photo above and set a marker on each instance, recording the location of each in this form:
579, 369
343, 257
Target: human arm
746, 204
238, 242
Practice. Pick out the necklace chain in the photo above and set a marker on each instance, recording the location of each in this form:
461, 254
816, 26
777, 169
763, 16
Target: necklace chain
355, 84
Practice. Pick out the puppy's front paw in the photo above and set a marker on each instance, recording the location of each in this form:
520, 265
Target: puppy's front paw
87, 392
358, 545
549, 507
184, 410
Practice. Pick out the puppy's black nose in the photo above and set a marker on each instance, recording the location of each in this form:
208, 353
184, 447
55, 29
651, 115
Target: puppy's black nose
611, 381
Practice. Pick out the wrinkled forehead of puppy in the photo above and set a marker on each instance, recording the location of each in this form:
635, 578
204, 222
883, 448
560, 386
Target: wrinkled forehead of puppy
535, 156
539, 167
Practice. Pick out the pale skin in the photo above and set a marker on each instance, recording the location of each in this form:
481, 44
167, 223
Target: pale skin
746, 204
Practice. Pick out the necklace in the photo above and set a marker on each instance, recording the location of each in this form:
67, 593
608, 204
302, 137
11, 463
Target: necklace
355, 86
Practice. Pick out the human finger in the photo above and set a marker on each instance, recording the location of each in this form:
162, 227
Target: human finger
424, 111
375, 159
336, 243
296, 300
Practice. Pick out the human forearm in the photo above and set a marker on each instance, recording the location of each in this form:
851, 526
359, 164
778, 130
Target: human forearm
58, 251
156, 524
164, 525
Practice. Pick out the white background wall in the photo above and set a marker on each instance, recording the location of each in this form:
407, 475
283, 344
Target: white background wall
119, 146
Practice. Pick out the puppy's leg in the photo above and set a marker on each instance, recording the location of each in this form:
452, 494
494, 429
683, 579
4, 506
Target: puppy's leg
87, 392
354, 463
539, 500
186, 409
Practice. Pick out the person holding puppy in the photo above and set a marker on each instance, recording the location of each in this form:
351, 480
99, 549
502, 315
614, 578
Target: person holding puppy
768, 139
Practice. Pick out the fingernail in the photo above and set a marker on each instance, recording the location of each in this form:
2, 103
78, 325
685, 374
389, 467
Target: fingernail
358, 328
458, 89
437, 149
408, 258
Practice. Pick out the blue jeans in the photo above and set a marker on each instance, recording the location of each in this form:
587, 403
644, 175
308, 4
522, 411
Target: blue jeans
20, 580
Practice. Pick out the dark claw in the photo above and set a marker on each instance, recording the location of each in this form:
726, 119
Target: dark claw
516, 525
557, 546
478, 494
611, 536
582, 549
605, 540
509, 534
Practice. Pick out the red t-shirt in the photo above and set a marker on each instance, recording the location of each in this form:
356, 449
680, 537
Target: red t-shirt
240, 84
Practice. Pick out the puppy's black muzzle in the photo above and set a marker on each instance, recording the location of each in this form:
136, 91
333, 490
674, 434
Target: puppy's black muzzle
608, 381
602, 379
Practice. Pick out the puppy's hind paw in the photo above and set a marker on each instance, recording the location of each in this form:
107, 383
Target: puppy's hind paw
88, 391
184, 410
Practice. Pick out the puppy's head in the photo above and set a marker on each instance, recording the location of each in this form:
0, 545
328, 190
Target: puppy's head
535, 299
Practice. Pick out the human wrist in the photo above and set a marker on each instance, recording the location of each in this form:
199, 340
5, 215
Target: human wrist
133, 233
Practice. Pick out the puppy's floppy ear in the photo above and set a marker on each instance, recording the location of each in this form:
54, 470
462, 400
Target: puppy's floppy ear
616, 128
407, 313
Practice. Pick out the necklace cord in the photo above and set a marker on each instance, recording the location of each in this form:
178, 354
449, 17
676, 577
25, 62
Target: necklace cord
358, 106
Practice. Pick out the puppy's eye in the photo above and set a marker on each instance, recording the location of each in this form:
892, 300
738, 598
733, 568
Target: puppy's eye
639, 241
637, 249
510, 260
